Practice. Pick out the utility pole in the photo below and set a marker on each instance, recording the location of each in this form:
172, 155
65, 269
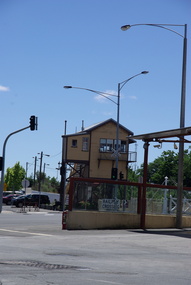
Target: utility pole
26, 169
40, 174
35, 161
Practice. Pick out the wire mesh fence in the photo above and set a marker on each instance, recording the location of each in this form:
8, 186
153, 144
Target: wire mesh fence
102, 196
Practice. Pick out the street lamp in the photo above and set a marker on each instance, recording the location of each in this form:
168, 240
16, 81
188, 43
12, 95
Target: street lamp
106, 95
182, 111
120, 86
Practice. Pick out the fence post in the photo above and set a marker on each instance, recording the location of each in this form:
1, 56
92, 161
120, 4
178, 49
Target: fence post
140, 188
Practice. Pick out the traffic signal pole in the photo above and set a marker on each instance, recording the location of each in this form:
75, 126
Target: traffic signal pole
3, 161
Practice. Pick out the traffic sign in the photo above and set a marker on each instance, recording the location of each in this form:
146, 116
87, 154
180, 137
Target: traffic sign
25, 183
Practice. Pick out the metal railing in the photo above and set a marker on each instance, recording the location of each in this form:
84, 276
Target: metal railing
89, 194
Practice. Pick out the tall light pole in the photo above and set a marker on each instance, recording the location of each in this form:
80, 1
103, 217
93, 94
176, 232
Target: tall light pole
120, 86
35, 161
182, 111
40, 173
107, 96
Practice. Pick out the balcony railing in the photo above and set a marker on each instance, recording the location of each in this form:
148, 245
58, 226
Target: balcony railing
132, 156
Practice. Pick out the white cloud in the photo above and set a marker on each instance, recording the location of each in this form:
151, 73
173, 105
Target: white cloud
106, 94
111, 94
4, 88
107, 114
133, 97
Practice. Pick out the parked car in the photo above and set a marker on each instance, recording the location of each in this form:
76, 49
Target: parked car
5, 193
8, 198
31, 200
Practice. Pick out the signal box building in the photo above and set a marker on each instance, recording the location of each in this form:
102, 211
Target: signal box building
91, 153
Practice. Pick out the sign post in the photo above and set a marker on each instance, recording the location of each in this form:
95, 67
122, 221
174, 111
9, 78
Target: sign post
25, 184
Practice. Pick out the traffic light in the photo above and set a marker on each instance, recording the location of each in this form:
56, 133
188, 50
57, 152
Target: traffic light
33, 123
121, 175
114, 173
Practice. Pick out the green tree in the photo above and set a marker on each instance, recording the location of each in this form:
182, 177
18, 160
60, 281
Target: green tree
47, 184
167, 165
14, 177
187, 168
55, 184
133, 176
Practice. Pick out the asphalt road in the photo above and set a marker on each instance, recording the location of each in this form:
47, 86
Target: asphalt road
35, 250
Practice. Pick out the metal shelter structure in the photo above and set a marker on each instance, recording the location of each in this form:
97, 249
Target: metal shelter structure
175, 135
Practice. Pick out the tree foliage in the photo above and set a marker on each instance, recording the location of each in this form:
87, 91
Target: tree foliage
47, 184
167, 165
187, 168
14, 177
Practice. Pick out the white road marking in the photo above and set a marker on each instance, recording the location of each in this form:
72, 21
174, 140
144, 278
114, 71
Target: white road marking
107, 282
28, 233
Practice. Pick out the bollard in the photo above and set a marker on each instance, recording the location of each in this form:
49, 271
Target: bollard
64, 217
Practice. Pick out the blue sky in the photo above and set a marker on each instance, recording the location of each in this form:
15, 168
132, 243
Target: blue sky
46, 44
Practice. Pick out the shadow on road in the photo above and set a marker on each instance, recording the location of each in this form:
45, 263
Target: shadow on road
184, 233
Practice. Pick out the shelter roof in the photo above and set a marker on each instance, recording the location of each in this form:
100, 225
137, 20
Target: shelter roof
159, 136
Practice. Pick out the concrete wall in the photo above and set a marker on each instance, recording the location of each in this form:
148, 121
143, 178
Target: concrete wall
84, 220
78, 220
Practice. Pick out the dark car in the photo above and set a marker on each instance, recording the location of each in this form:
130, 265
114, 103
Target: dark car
31, 200
5, 193
8, 199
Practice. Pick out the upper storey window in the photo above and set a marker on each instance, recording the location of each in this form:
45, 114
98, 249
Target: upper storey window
74, 143
108, 145
85, 144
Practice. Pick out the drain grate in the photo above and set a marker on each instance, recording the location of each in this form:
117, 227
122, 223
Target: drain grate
44, 265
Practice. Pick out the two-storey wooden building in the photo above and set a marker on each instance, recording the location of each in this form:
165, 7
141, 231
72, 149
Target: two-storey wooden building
91, 153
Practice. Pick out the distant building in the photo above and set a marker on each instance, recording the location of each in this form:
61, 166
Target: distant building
91, 152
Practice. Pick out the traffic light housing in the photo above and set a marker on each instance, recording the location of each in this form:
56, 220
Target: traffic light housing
33, 123
114, 173
121, 175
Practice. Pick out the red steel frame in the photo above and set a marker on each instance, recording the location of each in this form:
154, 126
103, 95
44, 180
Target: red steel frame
141, 201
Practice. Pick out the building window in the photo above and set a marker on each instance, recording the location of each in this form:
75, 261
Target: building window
123, 147
102, 145
108, 145
74, 143
85, 144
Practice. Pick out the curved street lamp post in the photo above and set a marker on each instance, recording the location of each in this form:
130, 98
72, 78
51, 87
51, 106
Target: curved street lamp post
182, 111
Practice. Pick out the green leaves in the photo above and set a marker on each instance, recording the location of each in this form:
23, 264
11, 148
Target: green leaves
167, 165
14, 177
